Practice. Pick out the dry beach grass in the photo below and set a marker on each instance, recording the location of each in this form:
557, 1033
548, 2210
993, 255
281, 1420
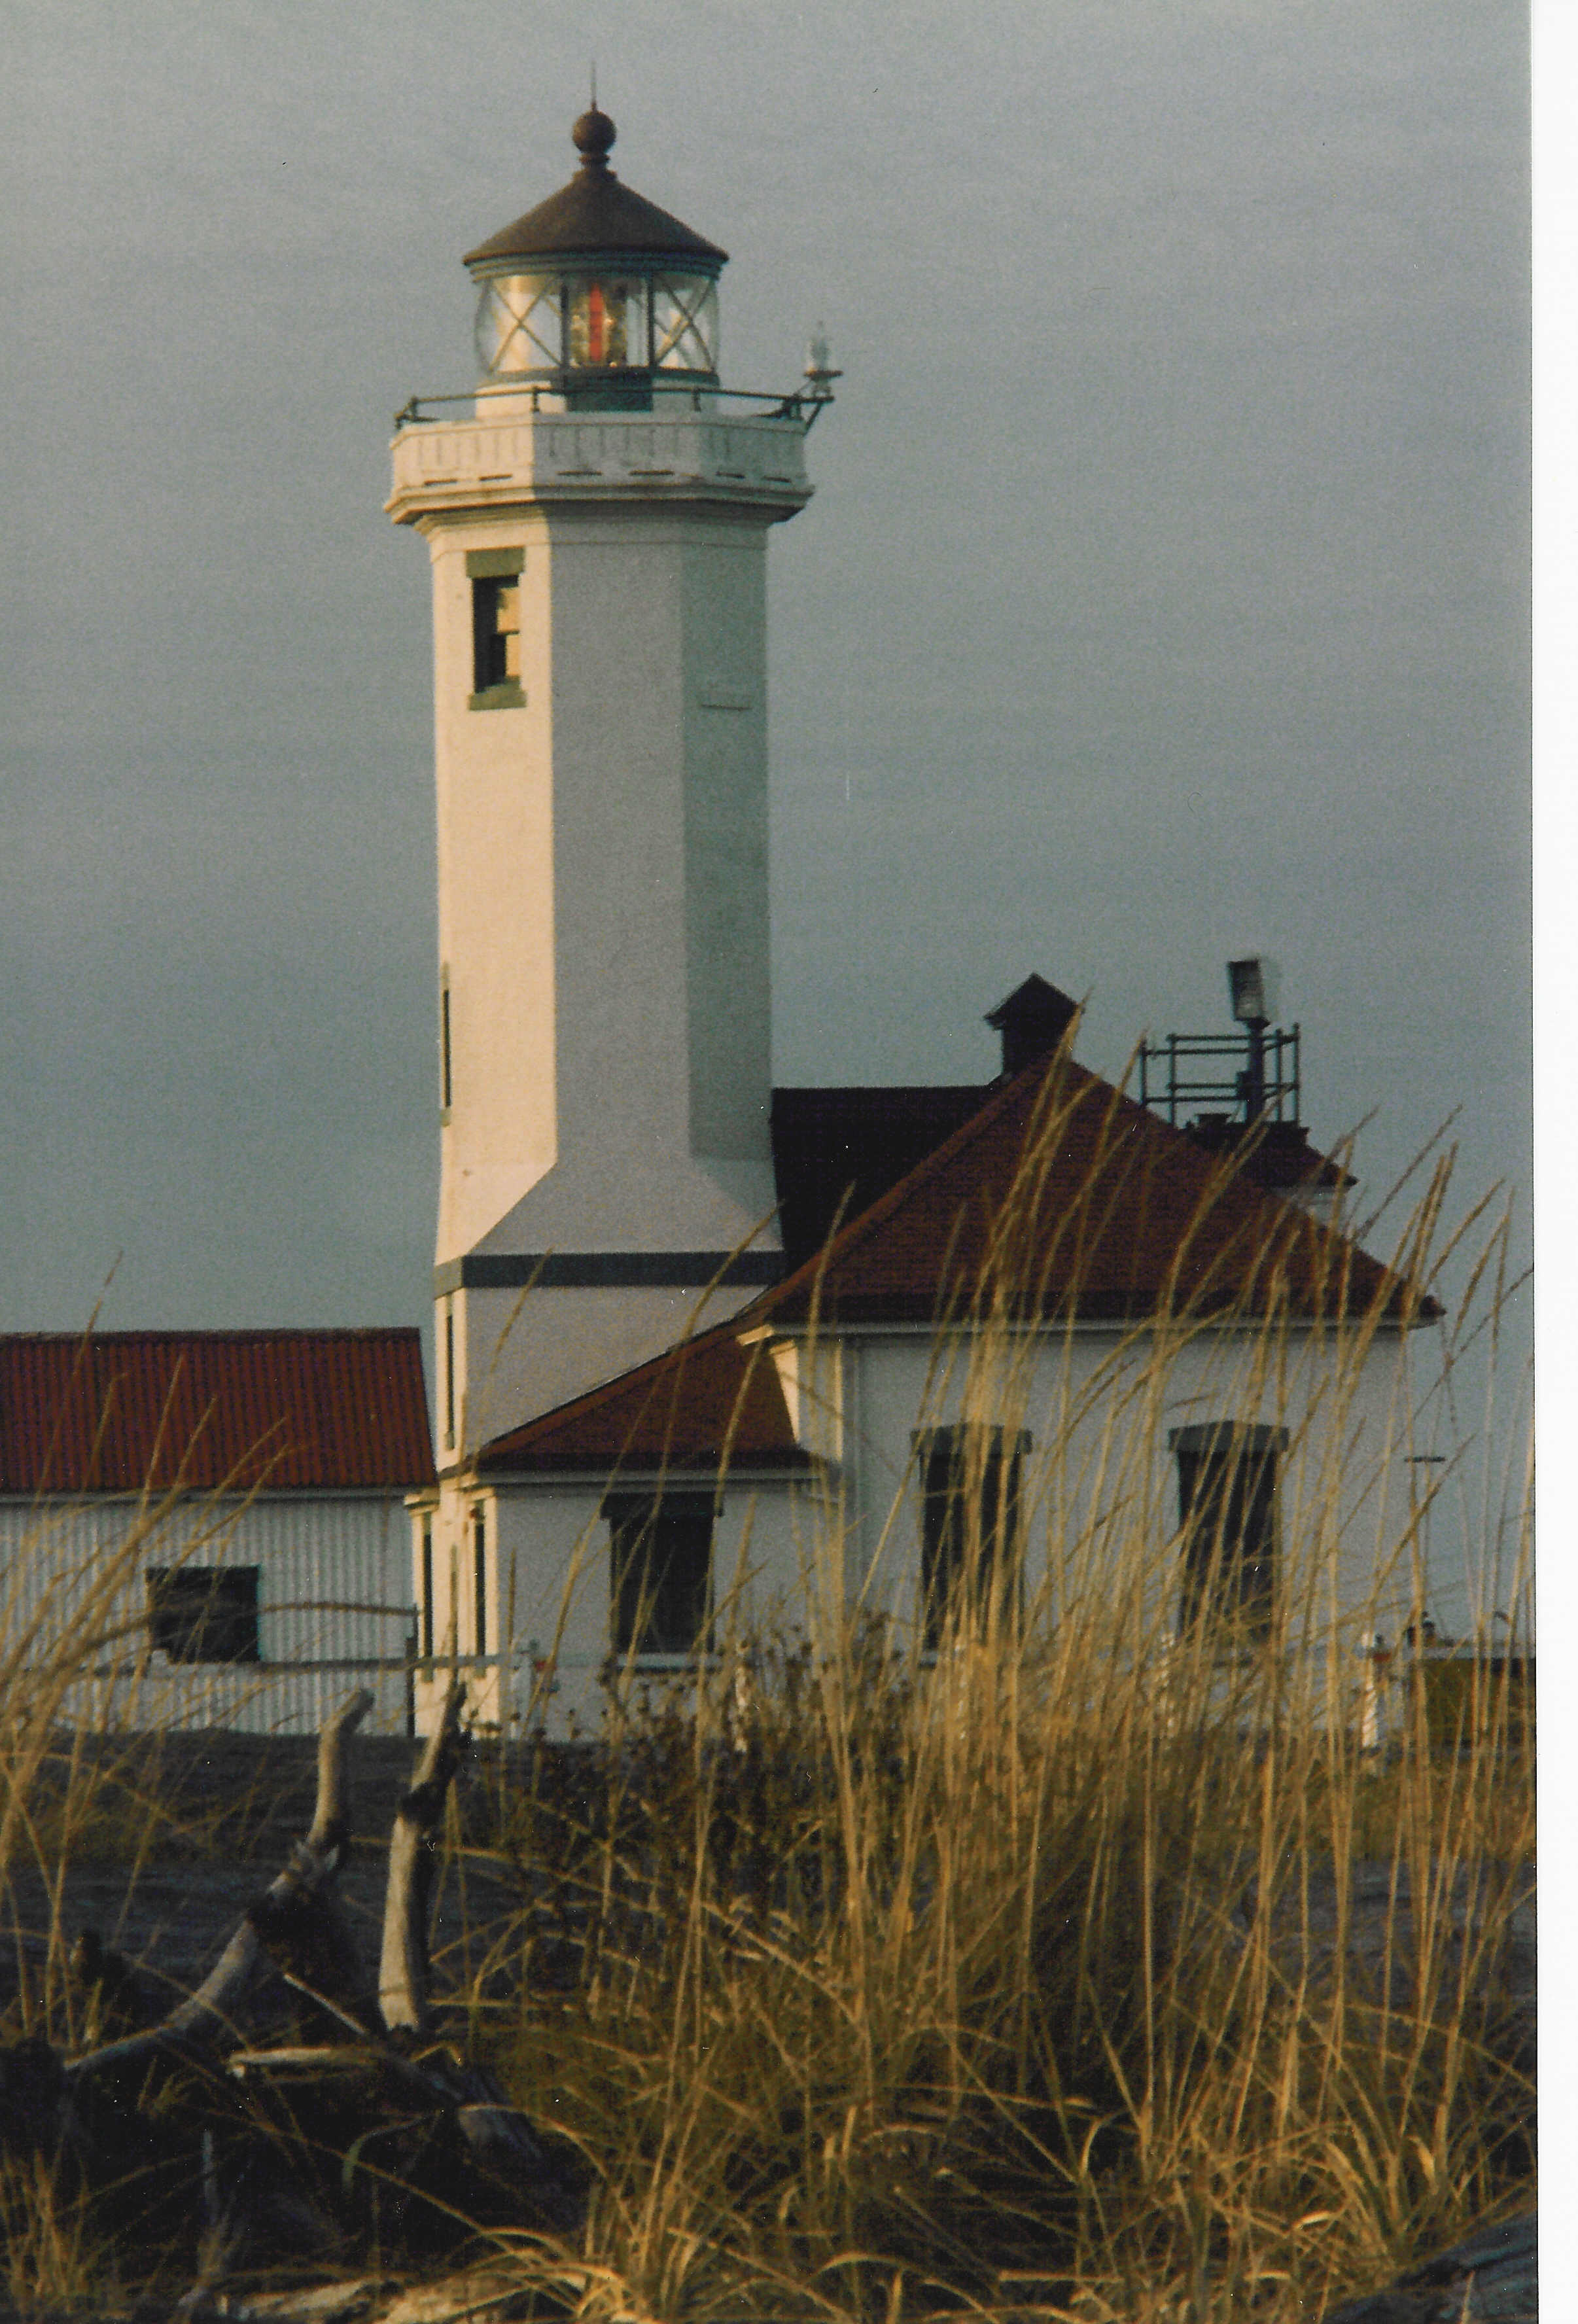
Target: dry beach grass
1081, 1971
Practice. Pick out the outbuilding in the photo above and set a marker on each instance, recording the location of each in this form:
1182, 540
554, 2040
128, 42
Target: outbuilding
211, 1525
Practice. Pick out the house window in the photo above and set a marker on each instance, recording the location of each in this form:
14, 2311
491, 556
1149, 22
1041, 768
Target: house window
1227, 1517
204, 1613
495, 575
479, 1579
427, 1608
661, 1594
971, 1525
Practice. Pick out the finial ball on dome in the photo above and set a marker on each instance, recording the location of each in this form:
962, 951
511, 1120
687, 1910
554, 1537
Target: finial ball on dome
594, 134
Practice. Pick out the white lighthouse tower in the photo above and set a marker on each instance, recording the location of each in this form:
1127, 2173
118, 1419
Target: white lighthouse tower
597, 520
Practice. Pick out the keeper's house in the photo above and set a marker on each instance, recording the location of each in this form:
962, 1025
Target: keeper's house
1066, 1327
245, 1492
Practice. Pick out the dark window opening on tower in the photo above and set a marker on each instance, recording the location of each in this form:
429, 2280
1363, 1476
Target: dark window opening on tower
1227, 1513
427, 1604
446, 1052
495, 611
971, 1548
662, 1574
204, 1613
495, 575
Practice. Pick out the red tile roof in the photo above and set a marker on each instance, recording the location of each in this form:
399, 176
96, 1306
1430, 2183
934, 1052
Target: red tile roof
1059, 1199
111, 1411
1063, 1199
707, 1404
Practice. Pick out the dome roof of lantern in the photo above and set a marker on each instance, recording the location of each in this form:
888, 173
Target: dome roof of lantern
594, 216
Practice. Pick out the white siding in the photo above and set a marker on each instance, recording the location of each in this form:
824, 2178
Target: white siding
1099, 1411
76, 1583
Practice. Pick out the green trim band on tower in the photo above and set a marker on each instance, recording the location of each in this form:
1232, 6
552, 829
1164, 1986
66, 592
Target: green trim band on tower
599, 1270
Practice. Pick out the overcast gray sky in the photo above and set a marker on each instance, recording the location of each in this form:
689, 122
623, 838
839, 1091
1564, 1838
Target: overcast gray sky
1164, 593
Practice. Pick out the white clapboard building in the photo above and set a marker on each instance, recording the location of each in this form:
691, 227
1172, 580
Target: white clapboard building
686, 1325
246, 1492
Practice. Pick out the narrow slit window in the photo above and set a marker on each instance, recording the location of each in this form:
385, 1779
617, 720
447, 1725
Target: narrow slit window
426, 1606
449, 1371
479, 1581
446, 1052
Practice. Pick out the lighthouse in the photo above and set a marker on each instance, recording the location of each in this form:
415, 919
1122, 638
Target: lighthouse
597, 511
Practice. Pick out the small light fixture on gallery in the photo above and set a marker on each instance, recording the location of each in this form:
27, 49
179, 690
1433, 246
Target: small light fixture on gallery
1252, 984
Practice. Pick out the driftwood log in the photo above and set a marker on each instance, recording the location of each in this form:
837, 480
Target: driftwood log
294, 2110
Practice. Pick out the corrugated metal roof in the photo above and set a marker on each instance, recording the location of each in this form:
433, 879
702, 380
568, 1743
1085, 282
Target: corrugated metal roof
113, 1411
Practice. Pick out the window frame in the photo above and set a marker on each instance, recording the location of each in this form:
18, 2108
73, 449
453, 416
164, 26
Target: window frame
1230, 1580
635, 1633
955, 1462
488, 572
427, 1615
479, 1622
178, 1630
451, 1401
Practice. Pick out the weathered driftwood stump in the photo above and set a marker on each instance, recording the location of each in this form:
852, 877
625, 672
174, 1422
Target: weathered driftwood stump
357, 2133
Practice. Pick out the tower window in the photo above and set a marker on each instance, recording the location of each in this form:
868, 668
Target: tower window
204, 1613
426, 1605
1227, 1514
446, 1052
661, 1595
449, 1371
495, 575
970, 1528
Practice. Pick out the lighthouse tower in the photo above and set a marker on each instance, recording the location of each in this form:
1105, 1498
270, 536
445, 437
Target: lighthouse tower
597, 520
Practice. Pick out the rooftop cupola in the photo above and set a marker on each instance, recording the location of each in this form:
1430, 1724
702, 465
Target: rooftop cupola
1032, 1022
597, 295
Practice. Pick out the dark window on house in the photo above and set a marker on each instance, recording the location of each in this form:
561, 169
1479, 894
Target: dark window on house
661, 1596
427, 1607
479, 1581
1227, 1515
204, 1613
971, 1526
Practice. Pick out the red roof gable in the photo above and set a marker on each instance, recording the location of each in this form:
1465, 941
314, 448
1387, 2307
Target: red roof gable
1063, 1199
707, 1404
110, 1412
1059, 1199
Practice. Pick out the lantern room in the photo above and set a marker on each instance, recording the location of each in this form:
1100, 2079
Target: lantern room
596, 296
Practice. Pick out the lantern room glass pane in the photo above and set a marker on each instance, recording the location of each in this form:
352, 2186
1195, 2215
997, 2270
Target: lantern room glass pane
607, 329
518, 323
685, 323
